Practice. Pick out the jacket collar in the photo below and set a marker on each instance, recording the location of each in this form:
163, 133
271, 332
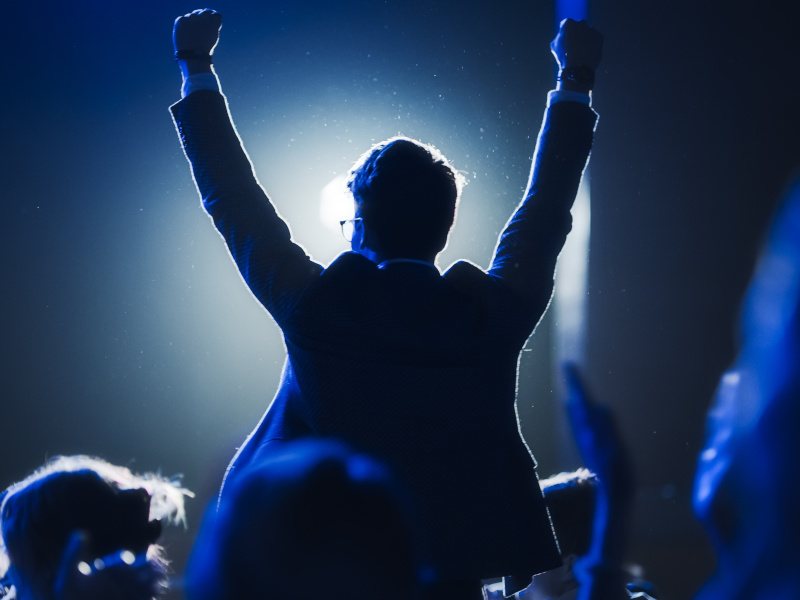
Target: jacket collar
407, 261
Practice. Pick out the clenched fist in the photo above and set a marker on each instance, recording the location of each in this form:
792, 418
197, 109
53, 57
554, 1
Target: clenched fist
577, 45
197, 33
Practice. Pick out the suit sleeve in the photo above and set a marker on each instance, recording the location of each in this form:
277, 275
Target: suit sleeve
527, 250
275, 268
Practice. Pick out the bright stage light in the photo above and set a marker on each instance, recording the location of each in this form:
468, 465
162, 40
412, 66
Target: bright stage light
572, 276
335, 203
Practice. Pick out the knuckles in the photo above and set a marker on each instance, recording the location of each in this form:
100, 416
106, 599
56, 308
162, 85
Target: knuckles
198, 20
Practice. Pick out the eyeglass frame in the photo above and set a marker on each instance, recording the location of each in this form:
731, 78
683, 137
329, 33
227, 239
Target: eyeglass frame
343, 222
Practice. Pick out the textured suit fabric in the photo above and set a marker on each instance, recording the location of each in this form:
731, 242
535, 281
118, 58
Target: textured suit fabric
416, 368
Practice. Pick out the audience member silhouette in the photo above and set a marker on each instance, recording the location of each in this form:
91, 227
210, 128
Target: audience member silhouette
309, 520
747, 491
571, 499
404, 363
80, 528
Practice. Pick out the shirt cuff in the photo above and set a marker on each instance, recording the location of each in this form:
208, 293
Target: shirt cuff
555, 96
200, 81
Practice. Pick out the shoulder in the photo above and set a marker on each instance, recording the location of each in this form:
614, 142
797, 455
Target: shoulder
469, 279
463, 271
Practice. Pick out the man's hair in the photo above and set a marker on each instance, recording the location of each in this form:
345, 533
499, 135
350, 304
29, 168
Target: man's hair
571, 499
407, 193
310, 519
39, 514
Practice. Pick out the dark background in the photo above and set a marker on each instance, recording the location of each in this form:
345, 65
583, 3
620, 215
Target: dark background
128, 334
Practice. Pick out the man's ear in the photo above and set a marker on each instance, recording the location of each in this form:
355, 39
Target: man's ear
360, 238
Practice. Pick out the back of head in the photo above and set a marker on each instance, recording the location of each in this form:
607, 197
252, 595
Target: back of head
571, 499
310, 520
406, 193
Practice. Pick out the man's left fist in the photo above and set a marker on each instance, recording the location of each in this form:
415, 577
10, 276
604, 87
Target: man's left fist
197, 33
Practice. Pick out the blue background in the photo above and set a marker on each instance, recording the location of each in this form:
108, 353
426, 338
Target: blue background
128, 334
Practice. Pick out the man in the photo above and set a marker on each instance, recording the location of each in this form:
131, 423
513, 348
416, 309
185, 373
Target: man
412, 366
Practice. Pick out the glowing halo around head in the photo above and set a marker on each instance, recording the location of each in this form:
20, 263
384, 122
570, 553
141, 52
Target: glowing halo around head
335, 203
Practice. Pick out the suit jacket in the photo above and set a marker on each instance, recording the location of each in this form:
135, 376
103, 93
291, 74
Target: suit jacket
414, 367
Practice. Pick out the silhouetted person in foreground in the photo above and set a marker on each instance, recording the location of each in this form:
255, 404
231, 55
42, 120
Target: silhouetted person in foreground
415, 367
747, 488
571, 501
80, 528
309, 520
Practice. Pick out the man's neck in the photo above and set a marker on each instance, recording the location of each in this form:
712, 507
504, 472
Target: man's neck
411, 261
380, 259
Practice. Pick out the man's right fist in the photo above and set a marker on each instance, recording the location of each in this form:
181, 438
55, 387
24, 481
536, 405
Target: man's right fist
197, 33
577, 45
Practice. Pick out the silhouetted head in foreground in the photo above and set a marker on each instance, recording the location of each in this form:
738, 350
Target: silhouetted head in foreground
311, 520
747, 491
570, 499
76, 510
405, 194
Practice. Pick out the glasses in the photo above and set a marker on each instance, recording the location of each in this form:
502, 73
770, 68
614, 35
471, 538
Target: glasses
348, 228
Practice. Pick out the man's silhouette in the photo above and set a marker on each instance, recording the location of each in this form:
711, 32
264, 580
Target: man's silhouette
413, 366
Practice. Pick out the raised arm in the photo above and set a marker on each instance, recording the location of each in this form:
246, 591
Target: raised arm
275, 268
603, 451
526, 252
